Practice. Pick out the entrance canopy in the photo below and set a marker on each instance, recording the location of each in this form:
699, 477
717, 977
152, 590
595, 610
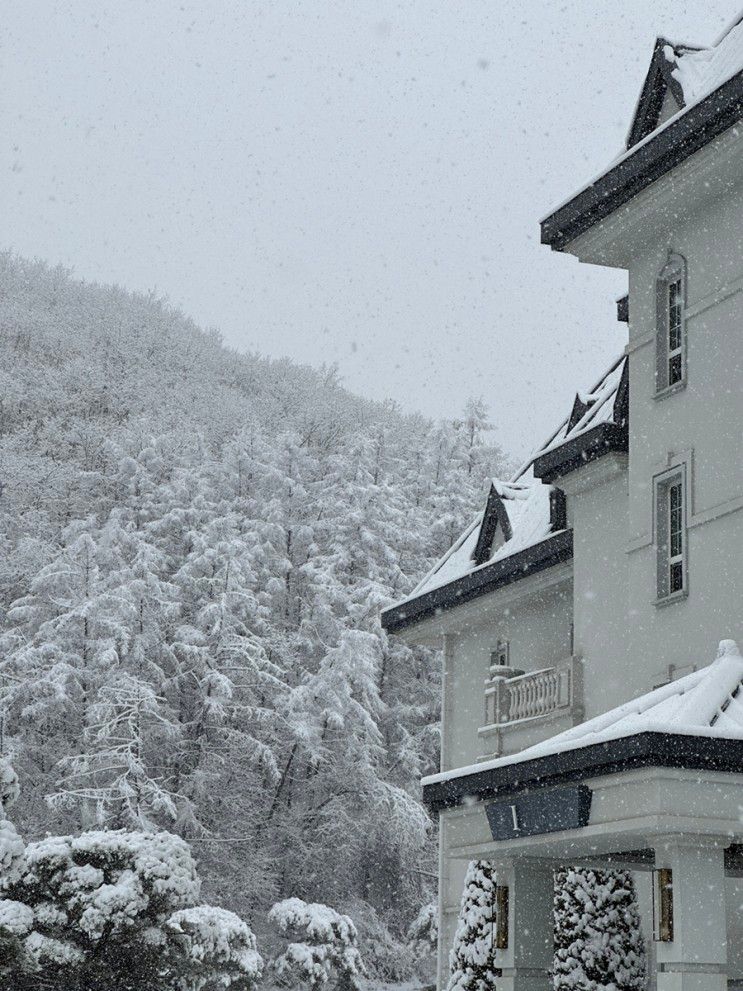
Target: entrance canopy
656, 784
667, 763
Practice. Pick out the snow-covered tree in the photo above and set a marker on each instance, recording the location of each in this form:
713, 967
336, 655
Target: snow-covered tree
324, 951
422, 939
195, 546
472, 957
119, 911
598, 936
423, 932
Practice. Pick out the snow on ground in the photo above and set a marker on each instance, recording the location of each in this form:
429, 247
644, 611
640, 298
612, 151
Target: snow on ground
706, 703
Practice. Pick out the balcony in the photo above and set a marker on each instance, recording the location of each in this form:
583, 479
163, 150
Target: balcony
517, 701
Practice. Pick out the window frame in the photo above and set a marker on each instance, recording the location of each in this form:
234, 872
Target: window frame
671, 306
671, 522
501, 649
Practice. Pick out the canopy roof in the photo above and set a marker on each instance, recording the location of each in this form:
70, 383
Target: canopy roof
694, 722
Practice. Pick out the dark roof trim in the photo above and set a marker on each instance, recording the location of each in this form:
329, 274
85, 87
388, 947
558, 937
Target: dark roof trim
575, 453
554, 549
658, 156
658, 81
495, 513
649, 749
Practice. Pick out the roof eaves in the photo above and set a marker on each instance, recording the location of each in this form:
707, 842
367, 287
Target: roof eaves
646, 749
578, 451
653, 158
556, 548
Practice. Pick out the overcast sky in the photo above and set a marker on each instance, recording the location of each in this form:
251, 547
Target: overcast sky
340, 180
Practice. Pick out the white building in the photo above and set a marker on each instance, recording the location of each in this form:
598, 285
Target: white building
612, 565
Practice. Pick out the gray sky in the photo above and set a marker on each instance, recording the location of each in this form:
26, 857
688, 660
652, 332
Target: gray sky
340, 180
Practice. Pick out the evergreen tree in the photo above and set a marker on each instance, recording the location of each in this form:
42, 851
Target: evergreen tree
598, 937
324, 949
472, 958
195, 546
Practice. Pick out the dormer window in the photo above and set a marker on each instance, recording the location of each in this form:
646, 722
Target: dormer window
671, 326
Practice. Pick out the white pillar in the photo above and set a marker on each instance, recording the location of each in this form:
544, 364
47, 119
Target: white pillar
527, 961
696, 958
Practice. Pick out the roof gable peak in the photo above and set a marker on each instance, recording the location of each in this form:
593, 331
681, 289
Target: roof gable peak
660, 84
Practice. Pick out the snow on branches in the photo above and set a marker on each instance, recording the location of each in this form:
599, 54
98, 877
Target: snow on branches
219, 946
326, 954
118, 907
423, 932
472, 958
598, 937
11, 845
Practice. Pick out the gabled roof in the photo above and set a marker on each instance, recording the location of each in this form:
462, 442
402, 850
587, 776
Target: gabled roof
660, 82
523, 511
598, 423
527, 513
711, 88
695, 722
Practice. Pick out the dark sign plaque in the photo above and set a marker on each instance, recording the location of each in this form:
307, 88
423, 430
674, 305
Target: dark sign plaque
537, 812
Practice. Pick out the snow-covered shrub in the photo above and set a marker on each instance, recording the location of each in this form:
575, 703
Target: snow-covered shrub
471, 961
423, 937
598, 939
327, 952
220, 948
423, 932
120, 910
9, 789
11, 845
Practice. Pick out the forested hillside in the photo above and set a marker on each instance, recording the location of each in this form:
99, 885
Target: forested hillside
195, 546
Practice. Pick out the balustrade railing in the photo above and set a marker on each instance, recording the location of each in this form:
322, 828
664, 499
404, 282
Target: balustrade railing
533, 695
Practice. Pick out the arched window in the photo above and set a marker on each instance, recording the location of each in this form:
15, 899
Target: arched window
671, 325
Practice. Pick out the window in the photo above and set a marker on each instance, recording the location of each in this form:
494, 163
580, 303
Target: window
675, 538
670, 541
499, 656
671, 325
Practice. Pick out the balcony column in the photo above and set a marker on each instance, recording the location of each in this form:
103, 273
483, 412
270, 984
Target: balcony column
527, 960
695, 958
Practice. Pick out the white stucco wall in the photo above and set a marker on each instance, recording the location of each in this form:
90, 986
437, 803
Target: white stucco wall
701, 425
538, 631
597, 501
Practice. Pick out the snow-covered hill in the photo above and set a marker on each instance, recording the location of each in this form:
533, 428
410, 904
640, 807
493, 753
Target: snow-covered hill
194, 549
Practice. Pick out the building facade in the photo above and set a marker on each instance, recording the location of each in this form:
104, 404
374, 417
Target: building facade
611, 564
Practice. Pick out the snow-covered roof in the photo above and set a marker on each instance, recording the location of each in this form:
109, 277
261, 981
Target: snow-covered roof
706, 703
701, 72
604, 403
659, 141
526, 501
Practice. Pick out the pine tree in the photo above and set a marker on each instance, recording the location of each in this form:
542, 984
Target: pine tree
598, 938
472, 958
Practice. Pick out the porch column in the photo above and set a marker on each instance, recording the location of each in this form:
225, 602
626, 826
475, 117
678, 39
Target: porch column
695, 959
527, 960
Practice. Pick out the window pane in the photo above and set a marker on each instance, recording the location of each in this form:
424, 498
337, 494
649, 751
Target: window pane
674, 315
676, 578
674, 369
676, 537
